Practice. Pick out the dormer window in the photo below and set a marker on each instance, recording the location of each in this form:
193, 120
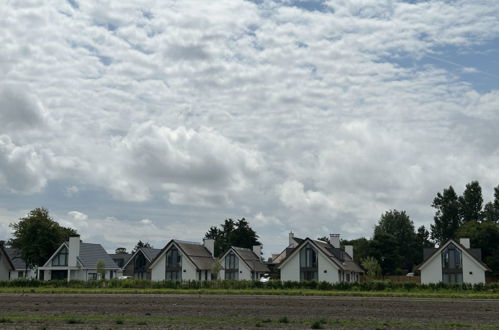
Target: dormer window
61, 259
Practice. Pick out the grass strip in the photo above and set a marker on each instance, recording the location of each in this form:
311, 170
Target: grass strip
278, 322
283, 292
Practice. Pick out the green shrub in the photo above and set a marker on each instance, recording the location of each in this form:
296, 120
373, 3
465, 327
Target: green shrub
283, 319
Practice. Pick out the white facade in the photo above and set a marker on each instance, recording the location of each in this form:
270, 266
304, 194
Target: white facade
189, 271
244, 271
21, 273
473, 272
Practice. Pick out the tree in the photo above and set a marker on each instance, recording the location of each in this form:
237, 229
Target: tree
372, 267
422, 242
232, 233
447, 220
491, 209
361, 248
120, 250
216, 268
37, 236
101, 269
141, 244
471, 203
384, 247
400, 227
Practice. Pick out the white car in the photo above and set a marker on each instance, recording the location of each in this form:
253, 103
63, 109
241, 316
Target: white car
265, 278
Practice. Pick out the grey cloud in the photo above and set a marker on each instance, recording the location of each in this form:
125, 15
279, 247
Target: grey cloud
187, 53
19, 110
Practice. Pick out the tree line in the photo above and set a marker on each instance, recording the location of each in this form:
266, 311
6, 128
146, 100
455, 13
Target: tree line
397, 247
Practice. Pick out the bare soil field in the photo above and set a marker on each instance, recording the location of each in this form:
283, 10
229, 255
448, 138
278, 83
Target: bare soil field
146, 311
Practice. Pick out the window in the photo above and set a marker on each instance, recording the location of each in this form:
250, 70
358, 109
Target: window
20, 274
308, 264
173, 265
139, 266
231, 266
61, 259
92, 276
452, 265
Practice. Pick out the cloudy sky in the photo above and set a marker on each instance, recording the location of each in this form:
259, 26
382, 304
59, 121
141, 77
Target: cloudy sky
156, 119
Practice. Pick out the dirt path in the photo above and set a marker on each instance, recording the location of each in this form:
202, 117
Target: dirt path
224, 311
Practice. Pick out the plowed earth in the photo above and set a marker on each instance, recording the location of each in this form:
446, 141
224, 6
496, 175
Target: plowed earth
137, 311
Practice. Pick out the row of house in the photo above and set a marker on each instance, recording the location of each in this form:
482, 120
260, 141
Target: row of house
302, 260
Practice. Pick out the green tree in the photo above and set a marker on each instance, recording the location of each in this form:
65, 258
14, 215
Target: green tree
446, 219
37, 236
400, 227
372, 267
471, 203
422, 241
361, 248
384, 248
141, 244
232, 233
491, 209
101, 269
120, 250
216, 268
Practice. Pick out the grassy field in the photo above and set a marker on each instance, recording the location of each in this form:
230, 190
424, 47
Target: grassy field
285, 292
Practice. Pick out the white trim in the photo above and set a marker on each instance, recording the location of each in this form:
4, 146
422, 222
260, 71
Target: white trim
133, 256
316, 247
55, 253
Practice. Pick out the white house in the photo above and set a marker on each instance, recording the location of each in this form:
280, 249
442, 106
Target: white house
243, 264
453, 263
320, 261
6, 265
21, 269
137, 265
184, 261
75, 260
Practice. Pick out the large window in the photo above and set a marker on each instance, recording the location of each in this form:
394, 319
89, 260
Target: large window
61, 259
452, 265
139, 266
173, 265
231, 266
308, 264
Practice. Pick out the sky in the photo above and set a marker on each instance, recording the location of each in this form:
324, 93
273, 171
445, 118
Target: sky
156, 119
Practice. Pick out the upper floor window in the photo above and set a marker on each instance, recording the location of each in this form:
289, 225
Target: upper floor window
231, 261
173, 258
308, 264
451, 257
61, 259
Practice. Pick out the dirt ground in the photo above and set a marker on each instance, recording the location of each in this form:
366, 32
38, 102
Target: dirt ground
137, 311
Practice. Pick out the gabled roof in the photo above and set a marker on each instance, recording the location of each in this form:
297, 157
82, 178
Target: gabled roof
124, 256
149, 253
337, 256
90, 254
7, 257
199, 255
16, 259
249, 258
471, 254
287, 251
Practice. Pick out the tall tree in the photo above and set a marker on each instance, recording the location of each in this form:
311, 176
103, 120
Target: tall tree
120, 250
471, 203
37, 236
139, 245
491, 209
232, 233
361, 248
422, 241
400, 227
447, 220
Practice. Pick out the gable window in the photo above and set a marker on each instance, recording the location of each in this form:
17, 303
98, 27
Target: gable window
452, 264
308, 264
61, 259
231, 266
139, 266
173, 265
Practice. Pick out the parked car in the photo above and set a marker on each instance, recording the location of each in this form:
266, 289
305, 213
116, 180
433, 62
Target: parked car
265, 278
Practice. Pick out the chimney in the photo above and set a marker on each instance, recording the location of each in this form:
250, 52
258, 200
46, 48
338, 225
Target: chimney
349, 250
74, 250
209, 244
465, 241
257, 249
292, 242
334, 239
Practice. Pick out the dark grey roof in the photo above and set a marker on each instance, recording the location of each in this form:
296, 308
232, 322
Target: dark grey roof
476, 252
197, 253
3, 250
15, 257
428, 252
337, 256
251, 259
120, 259
150, 253
90, 254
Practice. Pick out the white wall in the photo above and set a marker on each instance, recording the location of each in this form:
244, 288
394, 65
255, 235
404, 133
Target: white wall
477, 274
291, 270
14, 274
244, 271
188, 269
331, 274
432, 272
158, 271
